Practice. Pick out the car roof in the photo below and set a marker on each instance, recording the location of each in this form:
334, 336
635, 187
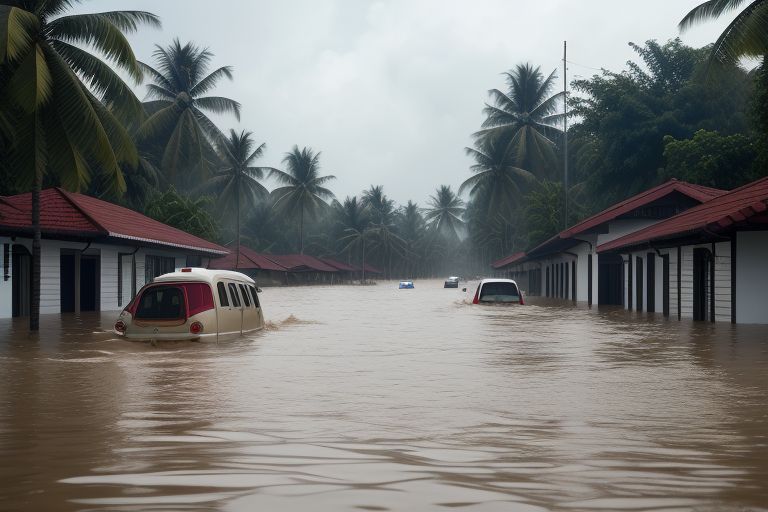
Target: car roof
494, 280
202, 275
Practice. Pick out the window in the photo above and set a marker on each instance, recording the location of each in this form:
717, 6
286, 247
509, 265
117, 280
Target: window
255, 296
246, 299
499, 292
161, 303
223, 299
199, 297
234, 296
194, 261
157, 265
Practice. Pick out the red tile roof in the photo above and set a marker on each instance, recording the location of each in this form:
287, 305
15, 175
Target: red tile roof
300, 263
247, 259
68, 213
741, 205
696, 192
513, 258
338, 265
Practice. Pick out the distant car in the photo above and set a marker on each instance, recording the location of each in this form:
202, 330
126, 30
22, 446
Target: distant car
498, 291
405, 285
451, 282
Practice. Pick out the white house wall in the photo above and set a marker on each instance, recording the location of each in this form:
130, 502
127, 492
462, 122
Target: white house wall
751, 277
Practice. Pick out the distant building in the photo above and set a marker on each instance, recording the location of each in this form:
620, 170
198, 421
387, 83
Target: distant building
95, 255
569, 265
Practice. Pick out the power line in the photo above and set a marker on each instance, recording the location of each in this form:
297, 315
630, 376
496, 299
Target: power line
583, 66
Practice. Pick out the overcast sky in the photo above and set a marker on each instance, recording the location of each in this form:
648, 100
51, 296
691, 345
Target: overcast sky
390, 91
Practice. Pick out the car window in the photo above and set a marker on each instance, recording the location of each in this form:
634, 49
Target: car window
223, 299
499, 292
233, 295
255, 296
161, 303
246, 298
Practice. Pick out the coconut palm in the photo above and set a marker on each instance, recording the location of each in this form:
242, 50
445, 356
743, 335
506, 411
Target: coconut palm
445, 211
745, 36
54, 94
380, 205
496, 176
303, 190
178, 108
526, 119
237, 181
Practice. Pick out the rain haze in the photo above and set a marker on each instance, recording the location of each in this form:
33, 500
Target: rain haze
390, 92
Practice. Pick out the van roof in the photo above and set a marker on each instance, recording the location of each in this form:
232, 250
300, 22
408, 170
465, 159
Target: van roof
203, 275
495, 280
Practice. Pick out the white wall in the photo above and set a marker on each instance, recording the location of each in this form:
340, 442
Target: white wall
751, 277
6, 287
722, 281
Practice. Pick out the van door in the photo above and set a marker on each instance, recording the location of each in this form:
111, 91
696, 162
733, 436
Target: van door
230, 314
250, 313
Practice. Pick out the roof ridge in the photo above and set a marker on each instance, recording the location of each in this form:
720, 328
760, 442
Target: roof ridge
67, 195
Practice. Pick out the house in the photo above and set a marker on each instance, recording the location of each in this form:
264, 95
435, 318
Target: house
707, 263
568, 265
94, 255
249, 262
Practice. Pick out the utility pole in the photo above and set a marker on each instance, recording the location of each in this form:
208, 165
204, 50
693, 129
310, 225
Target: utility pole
565, 130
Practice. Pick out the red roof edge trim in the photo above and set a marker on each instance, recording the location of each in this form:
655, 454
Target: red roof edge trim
171, 244
77, 207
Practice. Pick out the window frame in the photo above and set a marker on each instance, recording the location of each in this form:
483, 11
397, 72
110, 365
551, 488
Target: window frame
234, 296
244, 294
223, 297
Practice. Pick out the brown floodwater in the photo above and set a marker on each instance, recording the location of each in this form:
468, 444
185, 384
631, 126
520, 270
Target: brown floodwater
375, 399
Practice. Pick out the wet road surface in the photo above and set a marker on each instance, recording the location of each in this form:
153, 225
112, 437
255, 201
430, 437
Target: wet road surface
373, 398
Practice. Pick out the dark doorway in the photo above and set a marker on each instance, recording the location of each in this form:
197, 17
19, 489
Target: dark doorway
651, 281
639, 283
589, 279
89, 281
665, 284
702, 284
610, 279
21, 281
67, 277
547, 280
573, 280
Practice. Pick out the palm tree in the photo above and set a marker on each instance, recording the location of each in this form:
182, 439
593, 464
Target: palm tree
55, 92
495, 176
303, 190
745, 36
445, 211
380, 205
237, 180
178, 108
525, 119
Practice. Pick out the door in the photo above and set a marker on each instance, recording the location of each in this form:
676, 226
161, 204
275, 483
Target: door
650, 282
703, 305
251, 319
610, 279
21, 281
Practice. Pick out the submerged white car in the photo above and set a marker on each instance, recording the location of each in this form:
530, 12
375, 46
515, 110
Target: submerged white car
193, 304
498, 291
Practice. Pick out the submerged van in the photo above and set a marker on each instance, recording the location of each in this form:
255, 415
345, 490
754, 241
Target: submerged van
498, 291
193, 304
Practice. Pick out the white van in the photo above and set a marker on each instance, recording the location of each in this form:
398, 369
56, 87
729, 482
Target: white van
193, 304
498, 291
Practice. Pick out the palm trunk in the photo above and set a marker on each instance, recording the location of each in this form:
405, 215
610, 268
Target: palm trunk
237, 227
363, 260
34, 309
301, 230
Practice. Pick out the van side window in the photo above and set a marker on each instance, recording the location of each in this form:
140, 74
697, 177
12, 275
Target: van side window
246, 299
223, 300
233, 293
255, 296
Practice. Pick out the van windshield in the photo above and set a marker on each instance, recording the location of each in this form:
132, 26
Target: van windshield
499, 292
161, 303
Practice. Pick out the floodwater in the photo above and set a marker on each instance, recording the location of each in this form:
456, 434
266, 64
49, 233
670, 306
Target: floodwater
376, 399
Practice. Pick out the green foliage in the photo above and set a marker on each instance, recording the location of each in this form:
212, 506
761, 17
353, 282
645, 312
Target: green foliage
445, 212
711, 159
185, 213
544, 212
625, 116
745, 36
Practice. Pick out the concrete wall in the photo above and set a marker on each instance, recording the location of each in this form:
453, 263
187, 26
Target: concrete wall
751, 277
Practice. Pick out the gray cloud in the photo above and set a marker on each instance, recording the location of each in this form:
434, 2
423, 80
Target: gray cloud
390, 91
